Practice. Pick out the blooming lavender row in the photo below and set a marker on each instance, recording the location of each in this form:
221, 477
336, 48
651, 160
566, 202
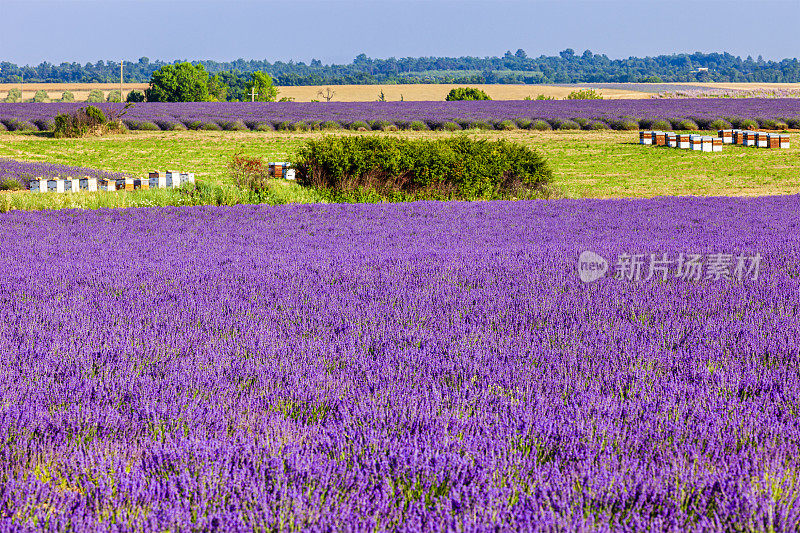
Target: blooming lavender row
566, 114
24, 172
421, 366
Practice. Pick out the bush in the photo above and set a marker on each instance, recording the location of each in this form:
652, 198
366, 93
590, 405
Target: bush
719, 124
662, 125
84, 121
330, 125
585, 94
417, 125
687, 124
263, 126
135, 96
569, 125
450, 126
67, 96
41, 96
233, 125
505, 125
10, 184
540, 125
624, 124
300, 126
457, 167
249, 173
466, 93
210, 126
771, 124
14, 95
540, 97
95, 96
379, 125
596, 125
793, 123
44, 124
748, 124
114, 96
358, 125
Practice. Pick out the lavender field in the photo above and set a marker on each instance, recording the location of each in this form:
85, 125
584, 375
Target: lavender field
422, 366
770, 113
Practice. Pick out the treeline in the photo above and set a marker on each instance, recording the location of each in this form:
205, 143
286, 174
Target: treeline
567, 67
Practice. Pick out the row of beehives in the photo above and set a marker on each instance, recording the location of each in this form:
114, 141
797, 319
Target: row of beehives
707, 143
155, 180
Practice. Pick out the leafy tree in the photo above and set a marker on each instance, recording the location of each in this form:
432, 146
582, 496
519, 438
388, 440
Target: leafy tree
95, 95
67, 96
466, 93
261, 84
14, 95
135, 96
587, 94
183, 82
217, 89
41, 96
114, 96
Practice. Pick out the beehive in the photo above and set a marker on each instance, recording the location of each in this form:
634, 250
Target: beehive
773, 140
762, 140
696, 142
645, 137
660, 138
716, 144
87, 183
187, 177
683, 140
784, 140
749, 138
726, 136
173, 178
708, 143
290, 174
672, 140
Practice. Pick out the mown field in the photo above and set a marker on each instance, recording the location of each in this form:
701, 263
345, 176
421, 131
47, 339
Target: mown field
586, 164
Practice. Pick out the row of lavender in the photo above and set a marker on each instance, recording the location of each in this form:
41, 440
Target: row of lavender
711, 113
412, 367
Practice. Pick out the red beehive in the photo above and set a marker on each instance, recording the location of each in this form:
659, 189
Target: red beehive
660, 138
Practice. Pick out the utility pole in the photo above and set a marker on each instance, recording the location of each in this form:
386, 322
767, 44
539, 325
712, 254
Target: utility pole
253, 93
120, 81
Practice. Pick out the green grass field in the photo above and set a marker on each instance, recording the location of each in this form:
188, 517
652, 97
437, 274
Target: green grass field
608, 164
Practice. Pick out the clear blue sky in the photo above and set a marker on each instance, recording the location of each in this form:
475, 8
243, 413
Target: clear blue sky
32, 31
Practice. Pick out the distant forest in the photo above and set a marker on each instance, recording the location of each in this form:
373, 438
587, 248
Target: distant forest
567, 67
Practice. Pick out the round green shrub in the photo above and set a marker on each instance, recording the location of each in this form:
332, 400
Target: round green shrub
418, 125
450, 126
263, 126
748, 124
687, 125
300, 126
234, 125
793, 123
523, 123
466, 93
210, 126
569, 125
480, 125
662, 125
541, 125
358, 125
150, 126
718, 124
505, 125
283, 125
379, 125
330, 125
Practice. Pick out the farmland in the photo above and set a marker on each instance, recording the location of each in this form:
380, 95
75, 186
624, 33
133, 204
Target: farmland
408, 366
709, 113
405, 366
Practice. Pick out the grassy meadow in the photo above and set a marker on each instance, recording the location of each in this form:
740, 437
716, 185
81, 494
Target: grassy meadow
586, 164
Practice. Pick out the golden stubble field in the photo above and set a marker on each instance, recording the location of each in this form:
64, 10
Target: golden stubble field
369, 93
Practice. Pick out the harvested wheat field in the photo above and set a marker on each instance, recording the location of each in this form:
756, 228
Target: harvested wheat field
79, 90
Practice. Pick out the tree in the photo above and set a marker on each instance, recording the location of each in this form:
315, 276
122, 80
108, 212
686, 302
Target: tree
95, 95
183, 82
217, 89
328, 94
135, 96
114, 96
466, 93
261, 84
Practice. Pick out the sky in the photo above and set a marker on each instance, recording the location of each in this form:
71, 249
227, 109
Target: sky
338, 30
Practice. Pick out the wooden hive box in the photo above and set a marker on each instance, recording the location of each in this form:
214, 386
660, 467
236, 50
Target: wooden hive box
683, 140
187, 177
784, 140
660, 138
716, 144
696, 142
707, 143
672, 140
88, 183
773, 140
153, 180
645, 137
173, 178
762, 141
726, 136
